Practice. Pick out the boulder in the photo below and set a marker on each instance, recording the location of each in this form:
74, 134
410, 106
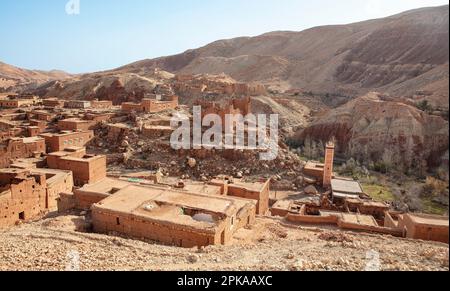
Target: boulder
311, 190
191, 162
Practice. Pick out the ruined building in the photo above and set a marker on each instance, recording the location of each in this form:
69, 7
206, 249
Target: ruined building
346, 206
15, 148
28, 194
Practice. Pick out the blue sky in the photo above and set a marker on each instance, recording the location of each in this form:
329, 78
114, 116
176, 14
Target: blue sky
39, 34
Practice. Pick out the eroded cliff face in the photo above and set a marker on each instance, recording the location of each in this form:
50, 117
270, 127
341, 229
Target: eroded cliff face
369, 126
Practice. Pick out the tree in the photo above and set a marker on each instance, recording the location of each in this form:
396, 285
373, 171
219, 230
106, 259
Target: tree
425, 106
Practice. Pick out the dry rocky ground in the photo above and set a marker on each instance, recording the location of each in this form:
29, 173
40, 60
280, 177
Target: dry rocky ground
271, 244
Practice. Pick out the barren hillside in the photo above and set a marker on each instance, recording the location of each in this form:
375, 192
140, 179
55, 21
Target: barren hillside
12, 77
54, 244
403, 54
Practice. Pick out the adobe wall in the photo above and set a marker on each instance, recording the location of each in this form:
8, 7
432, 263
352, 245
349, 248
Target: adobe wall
104, 104
166, 233
129, 107
39, 123
389, 221
310, 219
115, 133
243, 105
85, 171
53, 103
16, 149
314, 172
84, 199
328, 165
99, 117
369, 228
246, 216
33, 131
53, 161
59, 185
56, 143
261, 197
83, 125
424, 232
27, 197
156, 131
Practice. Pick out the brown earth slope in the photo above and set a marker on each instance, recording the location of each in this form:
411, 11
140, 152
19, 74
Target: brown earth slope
405, 55
401, 54
13, 78
270, 245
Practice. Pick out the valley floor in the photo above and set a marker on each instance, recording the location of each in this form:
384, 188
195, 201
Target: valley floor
271, 244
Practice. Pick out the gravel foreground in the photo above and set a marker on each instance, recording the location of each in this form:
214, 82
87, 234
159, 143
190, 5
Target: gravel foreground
271, 244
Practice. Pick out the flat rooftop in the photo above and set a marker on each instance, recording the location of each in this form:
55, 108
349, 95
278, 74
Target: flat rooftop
203, 188
105, 185
75, 120
347, 187
132, 196
251, 186
168, 206
426, 219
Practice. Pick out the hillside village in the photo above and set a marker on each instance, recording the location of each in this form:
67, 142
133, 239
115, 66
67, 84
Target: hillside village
113, 167
357, 176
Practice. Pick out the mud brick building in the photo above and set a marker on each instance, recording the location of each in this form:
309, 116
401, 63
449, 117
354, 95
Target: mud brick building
102, 104
18, 101
86, 169
83, 198
15, 148
8, 134
420, 226
234, 106
258, 191
170, 217
39, 123
118, 131
77, 104
201, 85
7, 124
155, 131
75, 124
152, 105
98, 117
40, 115
53, 103
58, 181
33, 131
27, 194
22, 196
59, 141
